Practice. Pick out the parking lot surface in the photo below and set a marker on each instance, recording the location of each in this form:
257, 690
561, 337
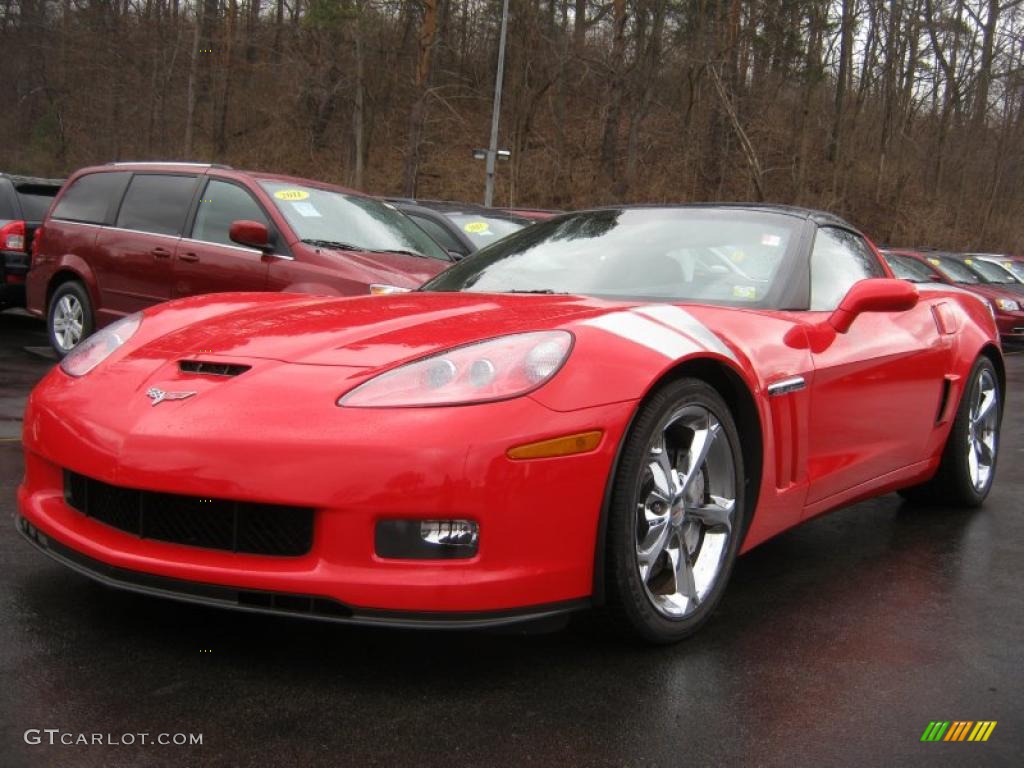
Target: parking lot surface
836, 644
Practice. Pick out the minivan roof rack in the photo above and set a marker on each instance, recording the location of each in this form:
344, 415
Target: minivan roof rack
171, 162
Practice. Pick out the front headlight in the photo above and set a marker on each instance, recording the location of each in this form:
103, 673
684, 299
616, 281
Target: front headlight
1008, 305
101, 345
498, 369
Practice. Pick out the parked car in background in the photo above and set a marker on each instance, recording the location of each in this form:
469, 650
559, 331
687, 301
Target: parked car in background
1011, 264
124, 236
24, 201
993, 273
462, 228
947, 268
533, 214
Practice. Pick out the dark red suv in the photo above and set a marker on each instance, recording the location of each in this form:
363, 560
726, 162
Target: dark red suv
124, 236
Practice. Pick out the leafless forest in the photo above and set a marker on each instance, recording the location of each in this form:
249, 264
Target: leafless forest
907, 116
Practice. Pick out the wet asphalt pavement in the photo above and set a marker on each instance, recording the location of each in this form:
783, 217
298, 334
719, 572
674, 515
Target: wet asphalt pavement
836, 644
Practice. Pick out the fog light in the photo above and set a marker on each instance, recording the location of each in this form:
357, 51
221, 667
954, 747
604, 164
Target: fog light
426, 539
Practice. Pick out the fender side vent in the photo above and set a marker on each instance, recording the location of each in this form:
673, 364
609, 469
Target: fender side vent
940, 417
208, 368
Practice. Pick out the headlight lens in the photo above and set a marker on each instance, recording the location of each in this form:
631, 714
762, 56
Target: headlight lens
1008, 305
497, 369
382, 289
101, 345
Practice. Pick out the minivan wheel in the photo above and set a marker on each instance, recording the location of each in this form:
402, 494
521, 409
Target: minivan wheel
69, 318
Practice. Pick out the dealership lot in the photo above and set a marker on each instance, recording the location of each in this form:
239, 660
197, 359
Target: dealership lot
837, 642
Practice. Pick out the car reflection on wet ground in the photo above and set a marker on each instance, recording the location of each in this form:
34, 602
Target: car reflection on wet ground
836, 643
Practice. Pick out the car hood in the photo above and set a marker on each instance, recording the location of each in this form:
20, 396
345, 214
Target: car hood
366, 331
390, 268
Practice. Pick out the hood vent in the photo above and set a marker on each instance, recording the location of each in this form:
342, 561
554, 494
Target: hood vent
208, 368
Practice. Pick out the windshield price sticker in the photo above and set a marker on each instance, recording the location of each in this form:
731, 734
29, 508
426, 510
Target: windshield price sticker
476, 227
291, 194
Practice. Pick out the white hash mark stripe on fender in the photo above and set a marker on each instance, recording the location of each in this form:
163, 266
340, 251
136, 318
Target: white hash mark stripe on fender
641, 330
683, 321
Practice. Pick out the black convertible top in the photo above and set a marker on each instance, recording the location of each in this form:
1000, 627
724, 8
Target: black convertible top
818, 217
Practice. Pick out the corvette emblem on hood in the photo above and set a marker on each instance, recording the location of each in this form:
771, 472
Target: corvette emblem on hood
157, 395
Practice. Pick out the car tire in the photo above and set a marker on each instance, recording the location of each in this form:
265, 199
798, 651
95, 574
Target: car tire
697, 514
968, 465
69, 317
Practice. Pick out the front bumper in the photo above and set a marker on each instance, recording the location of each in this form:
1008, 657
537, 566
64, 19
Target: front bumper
538, 519
1011, 327
281, 604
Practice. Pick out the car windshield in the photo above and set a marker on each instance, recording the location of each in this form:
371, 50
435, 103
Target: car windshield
906, 268
484, 230
729, 256
954, 269
1016, 267
992, 272
326, 217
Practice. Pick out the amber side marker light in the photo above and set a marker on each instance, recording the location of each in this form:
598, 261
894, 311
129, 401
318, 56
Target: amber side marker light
566, 445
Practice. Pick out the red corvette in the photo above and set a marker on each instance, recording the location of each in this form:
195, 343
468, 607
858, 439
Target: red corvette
602, 410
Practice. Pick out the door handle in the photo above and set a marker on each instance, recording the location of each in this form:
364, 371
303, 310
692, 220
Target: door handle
189, 256
161, 253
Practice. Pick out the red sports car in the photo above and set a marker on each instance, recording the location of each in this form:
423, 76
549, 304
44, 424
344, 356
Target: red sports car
602, 410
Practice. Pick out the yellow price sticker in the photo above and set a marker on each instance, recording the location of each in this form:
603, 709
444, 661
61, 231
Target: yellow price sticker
936, 262
968, 261
476, 227
291, 194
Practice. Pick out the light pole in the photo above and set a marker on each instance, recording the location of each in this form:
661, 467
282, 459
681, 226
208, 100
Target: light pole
492, 151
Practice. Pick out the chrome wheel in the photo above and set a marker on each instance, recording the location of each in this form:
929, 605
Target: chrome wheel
685, 510
983, 430
68, 322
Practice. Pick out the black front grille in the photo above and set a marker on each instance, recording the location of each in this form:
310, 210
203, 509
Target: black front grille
210, 368
235, 526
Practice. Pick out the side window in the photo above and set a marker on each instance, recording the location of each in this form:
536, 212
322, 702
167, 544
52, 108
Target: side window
439, 233
221, 204
157, 203
839, 259
89, 198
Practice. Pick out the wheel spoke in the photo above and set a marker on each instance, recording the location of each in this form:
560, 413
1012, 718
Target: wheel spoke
650, 549
682, 568
972, 461
662, 480
988, 401
986, 452
715, 516
699, 448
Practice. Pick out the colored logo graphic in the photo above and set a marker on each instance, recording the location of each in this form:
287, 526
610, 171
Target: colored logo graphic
958, 730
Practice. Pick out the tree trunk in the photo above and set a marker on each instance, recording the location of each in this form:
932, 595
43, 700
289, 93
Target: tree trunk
610, 135
426, 42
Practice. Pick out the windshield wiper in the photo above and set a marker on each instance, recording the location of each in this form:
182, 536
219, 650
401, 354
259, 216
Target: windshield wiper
332, 244
396, 250
536, 290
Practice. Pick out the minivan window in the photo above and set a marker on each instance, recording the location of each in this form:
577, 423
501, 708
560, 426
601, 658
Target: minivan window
89, 197
157, 203
221, 204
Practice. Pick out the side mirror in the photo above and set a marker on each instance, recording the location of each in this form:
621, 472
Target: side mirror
250, 233
877, 294
457, 255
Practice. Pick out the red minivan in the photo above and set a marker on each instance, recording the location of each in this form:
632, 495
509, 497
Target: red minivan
124, 236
